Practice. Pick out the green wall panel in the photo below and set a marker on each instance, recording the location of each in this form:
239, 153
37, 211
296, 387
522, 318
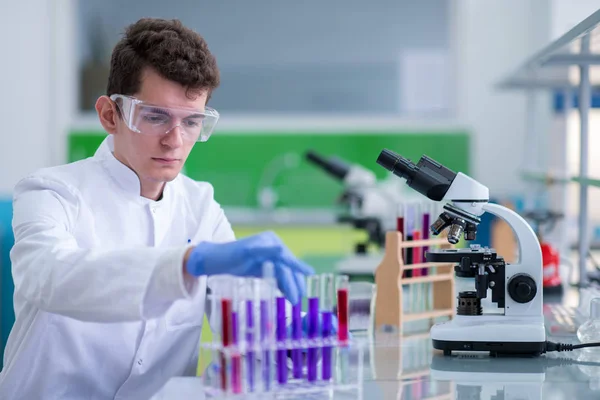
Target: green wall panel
236, 163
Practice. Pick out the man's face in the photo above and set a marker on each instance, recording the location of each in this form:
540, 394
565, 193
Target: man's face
157, 157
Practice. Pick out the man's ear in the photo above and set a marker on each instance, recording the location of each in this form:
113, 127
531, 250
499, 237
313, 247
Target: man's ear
107, 113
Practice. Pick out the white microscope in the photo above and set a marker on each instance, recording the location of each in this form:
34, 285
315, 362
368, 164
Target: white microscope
515, 288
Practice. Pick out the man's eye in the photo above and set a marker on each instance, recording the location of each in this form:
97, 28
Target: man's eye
192, 123
155, 118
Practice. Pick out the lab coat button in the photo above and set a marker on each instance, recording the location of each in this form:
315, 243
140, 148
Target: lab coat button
140, 361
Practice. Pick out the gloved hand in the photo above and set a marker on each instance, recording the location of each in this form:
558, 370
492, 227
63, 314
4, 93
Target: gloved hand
245, 257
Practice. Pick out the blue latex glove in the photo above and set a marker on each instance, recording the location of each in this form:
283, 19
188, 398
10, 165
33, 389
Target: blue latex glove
245, 257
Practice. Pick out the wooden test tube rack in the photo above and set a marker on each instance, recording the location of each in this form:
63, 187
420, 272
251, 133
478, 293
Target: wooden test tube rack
389, 277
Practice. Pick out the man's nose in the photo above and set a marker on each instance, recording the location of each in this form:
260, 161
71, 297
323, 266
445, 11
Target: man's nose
174, 137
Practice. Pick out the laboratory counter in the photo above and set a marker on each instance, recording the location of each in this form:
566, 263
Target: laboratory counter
408, 368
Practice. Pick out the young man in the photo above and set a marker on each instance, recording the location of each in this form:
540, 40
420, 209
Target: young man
112, 254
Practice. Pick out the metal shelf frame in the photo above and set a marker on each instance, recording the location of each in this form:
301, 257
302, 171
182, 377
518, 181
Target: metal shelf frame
549, 70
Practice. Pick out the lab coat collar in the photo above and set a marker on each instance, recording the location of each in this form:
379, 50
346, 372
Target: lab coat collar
124, 176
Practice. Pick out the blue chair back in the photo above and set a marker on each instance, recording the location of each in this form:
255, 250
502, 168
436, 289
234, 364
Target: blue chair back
7, 315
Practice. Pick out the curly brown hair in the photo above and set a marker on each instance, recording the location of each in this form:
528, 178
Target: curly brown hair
174, 51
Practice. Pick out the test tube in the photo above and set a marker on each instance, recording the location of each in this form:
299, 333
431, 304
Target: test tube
400, 219
251, 332
236, 359
426, 222
327, 286
266, 322
225, 339
313, 326
408, 229
417, 252
342, 284
281, 337
297, 336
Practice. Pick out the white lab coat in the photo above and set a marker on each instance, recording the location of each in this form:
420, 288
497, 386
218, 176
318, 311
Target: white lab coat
102, 309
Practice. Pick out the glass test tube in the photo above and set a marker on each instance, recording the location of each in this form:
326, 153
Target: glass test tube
296, 337
425, 224
327, 286
425, 229
417, 252
409, 219
236, 358
313, 326
281, 337
417, 290
225, 340
342, 284
400, 219
251, 331
266, 323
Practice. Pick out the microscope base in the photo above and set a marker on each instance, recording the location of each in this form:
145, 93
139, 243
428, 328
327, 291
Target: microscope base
496, 349
498, 335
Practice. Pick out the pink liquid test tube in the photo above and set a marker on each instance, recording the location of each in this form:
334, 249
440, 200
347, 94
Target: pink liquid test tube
342, 286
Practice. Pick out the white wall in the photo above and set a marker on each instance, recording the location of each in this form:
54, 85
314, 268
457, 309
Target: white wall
25, 82
36, 81
493, 38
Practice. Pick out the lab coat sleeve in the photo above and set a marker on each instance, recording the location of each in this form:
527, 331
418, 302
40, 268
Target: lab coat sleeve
51, 271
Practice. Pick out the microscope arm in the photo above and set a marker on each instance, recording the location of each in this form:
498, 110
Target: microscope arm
530, 258
530, 252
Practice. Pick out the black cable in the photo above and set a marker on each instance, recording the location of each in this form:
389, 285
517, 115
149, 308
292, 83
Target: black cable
551, 346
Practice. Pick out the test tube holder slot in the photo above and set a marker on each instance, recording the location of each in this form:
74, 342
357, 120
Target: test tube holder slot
390, 279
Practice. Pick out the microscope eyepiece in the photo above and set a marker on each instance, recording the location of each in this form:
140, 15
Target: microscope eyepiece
428, 177
399, 165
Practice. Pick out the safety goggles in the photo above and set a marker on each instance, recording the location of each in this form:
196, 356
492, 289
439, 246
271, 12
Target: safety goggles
141, 117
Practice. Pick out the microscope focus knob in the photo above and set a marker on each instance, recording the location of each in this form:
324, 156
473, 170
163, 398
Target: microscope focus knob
522, 288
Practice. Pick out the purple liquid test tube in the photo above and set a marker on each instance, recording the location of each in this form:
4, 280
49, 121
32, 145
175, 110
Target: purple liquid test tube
236, 373
297, 336
281, 337
264, 338
313, 326
327, 300
250, 356
425, 235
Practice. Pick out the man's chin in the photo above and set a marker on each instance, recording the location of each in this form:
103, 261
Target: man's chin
166, 176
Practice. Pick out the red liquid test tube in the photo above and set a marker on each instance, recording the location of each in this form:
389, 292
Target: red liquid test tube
417, 254
225, 338
342, 287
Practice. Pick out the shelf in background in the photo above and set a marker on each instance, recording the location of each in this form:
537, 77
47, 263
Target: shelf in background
550, 67
587, 181
546, 177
